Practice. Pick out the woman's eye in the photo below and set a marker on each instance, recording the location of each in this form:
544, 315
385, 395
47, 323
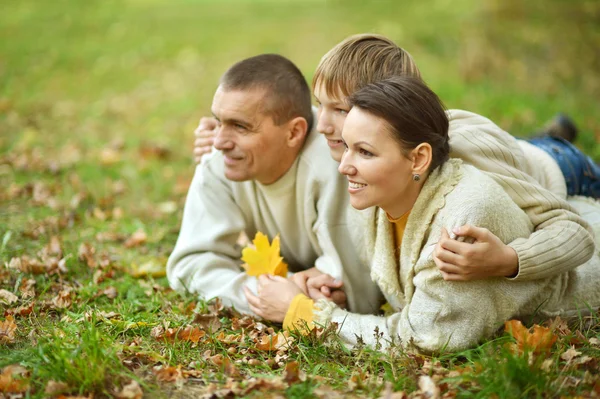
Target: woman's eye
365, 153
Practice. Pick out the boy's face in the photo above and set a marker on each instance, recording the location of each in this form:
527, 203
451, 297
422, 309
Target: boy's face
330, 120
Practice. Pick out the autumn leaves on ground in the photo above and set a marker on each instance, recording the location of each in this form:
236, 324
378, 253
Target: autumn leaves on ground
97, 104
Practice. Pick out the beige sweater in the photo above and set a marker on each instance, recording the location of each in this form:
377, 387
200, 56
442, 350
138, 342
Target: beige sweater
433, 314
561, 240
306, 207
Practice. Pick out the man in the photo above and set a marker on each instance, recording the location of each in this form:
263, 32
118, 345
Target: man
271, 174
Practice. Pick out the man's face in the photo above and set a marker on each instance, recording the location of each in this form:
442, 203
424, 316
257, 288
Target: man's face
252, 145
330, 120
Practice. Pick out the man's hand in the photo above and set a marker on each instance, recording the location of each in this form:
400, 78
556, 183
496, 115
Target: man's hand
325, 286
274, 297
302, 277
486, 257
205, 136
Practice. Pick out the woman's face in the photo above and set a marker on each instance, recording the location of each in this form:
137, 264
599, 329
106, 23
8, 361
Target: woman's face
330, 120
379, 174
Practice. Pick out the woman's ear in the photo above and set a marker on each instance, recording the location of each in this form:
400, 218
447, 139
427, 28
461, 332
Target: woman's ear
421, 157
297, 131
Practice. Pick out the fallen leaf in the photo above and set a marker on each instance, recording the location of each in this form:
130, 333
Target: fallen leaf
136, 239
428, 387
570, 354
594, 341
8, 297
110, 292
24, 310
541, 340
264, 258
131, 391
55, 387
86, 254
168, 207
14, 379
149, 150
63, 299
109, 156
208, 322
155, 267
168, 373
291, 375
7, 330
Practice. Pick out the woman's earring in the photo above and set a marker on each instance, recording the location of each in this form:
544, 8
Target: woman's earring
416, 177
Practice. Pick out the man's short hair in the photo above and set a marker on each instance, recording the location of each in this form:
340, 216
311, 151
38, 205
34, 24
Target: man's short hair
288, 94
360, 60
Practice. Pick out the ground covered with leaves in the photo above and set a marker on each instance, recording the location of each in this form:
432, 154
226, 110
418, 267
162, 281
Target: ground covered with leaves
98, 101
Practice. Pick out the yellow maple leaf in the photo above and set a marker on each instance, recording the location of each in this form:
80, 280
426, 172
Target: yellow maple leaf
264, 258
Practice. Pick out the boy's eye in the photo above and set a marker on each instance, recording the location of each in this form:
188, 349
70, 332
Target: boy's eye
342, 111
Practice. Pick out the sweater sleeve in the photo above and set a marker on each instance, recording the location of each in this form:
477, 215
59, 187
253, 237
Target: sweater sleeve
205, 260
561, 240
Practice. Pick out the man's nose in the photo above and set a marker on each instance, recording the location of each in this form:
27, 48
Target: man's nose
223, 140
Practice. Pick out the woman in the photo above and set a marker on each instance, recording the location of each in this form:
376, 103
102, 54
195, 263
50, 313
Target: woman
408, 191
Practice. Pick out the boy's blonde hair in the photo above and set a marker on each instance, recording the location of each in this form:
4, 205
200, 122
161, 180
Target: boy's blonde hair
359, 60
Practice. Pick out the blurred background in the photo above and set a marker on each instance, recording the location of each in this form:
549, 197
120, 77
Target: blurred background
109, 92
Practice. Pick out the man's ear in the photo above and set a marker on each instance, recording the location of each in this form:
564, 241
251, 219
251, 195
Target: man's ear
421, 157
297, 131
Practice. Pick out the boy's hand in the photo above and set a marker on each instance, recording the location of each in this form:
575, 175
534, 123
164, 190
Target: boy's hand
205, 136
325, 286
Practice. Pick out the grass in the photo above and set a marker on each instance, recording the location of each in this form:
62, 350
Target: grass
98, 101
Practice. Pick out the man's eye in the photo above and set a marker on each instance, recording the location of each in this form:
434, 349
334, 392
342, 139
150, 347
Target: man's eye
240, 127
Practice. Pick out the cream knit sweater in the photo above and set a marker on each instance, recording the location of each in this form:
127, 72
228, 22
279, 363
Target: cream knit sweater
561, 240
306, 207
433, 314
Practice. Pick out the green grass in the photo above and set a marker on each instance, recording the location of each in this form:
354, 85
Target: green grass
80, 77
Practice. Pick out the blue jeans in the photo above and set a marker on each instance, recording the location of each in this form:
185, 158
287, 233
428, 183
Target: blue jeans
581, 173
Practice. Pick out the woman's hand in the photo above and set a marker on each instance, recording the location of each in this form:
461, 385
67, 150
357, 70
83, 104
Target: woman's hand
486, 257
274, 297
205, 136
325, 286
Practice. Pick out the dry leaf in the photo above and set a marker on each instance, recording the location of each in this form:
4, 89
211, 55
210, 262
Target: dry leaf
594, 341
7, 330
109, 156
264, 258
168, 373
570, 354
137, 238
7, 297
86, 254
155, 267
110, 292
292, 373
541, 340
13, 379
428, 387
63, 299
55, 387
208, 322
131, 391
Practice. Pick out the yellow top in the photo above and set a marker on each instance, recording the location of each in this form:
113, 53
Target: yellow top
399, 226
